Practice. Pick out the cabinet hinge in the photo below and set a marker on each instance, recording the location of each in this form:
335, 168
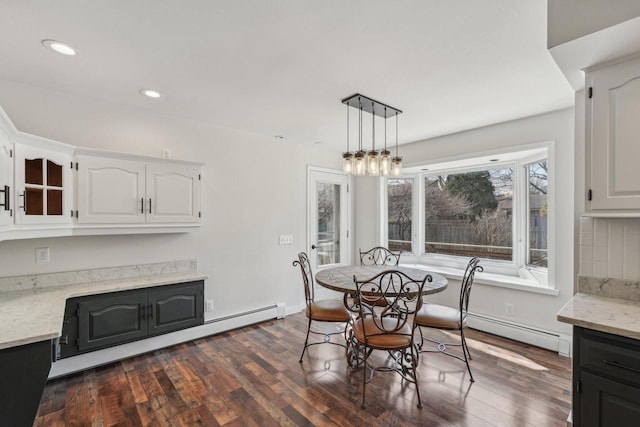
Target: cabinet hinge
579, 386
589, 195
590, 92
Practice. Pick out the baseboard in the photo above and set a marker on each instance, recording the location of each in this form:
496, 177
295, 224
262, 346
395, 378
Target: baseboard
546, 339
211, 327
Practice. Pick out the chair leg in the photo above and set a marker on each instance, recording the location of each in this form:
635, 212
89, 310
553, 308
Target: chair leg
414, 365
465, 351
364, 379
306, 341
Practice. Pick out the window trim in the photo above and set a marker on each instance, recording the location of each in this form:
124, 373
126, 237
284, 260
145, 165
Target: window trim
517, 268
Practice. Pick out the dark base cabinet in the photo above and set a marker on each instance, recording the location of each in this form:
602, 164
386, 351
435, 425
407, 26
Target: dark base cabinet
606, 371
23, 375
100, 321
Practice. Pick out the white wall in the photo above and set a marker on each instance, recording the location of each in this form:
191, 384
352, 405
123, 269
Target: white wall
571, 19
254, 189
531, 309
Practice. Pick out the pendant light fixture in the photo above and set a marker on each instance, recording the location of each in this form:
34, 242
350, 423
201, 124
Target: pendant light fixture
396, 162
371, 162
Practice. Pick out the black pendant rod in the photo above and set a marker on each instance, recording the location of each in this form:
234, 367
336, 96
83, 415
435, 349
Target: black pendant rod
371, 105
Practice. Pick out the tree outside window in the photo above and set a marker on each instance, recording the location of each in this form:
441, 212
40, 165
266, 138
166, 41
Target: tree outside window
470, 214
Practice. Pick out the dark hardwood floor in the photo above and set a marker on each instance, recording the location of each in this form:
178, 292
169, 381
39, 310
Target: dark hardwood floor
251, 377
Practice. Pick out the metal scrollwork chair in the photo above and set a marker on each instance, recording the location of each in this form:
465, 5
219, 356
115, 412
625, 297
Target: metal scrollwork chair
328, 310
392, 328
379, 256
442, 317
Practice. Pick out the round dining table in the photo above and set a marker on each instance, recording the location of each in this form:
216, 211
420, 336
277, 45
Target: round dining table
341, 278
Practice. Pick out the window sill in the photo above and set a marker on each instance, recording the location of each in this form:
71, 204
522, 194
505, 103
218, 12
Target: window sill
491, 279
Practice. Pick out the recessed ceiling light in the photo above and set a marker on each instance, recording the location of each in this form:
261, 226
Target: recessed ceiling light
150, 93
59, 47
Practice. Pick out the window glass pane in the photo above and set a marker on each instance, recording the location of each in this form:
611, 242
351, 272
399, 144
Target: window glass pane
470, 214
328, 238
537, 207
54, 174
33, 199
54, 202
33, 171
400, 213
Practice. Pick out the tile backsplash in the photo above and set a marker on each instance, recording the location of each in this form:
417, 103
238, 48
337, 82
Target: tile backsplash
610, 247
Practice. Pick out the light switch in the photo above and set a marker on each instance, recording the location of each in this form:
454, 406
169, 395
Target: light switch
42, 255
286, 239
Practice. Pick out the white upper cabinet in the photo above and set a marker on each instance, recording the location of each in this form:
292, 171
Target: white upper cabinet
613, 138
43, 186
6, 180
110, 191
173, 193
52, 189
120, 191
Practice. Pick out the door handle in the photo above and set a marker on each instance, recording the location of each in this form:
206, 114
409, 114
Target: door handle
24, 201
7, 199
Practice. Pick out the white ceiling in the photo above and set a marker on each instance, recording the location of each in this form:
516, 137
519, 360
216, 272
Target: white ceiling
281, 67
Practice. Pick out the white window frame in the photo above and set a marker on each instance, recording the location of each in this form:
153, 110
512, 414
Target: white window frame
517, 268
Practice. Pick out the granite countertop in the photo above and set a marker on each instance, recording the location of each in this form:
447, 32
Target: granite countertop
36, 313
606, 305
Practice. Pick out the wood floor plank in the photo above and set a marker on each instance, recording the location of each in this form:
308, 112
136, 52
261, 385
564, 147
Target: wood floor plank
251, 377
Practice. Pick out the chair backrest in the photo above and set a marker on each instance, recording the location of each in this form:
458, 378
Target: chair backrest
379, 256
307, 276
396, 296
467, 281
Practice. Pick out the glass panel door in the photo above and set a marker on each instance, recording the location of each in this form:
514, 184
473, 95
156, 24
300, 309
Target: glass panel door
328, 220
328, 229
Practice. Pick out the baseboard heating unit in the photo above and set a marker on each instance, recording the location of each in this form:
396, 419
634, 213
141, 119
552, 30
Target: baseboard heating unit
527, 334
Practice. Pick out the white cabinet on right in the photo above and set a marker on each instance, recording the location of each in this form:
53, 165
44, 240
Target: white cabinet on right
121, 191
173, 192
613, 139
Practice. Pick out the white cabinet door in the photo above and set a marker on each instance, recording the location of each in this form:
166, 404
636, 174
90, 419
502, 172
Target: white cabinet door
613, 137
173, 193
110, 191
43, 186
6, 180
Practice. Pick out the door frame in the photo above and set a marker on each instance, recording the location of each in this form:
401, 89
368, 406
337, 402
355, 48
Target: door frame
349, 216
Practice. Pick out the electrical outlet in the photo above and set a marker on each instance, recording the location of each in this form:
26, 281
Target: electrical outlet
286, 239
509, 309
42, 255
209, 305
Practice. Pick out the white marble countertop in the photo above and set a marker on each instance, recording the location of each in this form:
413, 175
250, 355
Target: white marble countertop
612, 315
36, 314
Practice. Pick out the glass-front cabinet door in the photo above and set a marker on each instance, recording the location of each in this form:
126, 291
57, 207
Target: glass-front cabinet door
43, 186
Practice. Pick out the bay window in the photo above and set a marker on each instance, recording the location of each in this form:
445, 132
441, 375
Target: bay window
492, 208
